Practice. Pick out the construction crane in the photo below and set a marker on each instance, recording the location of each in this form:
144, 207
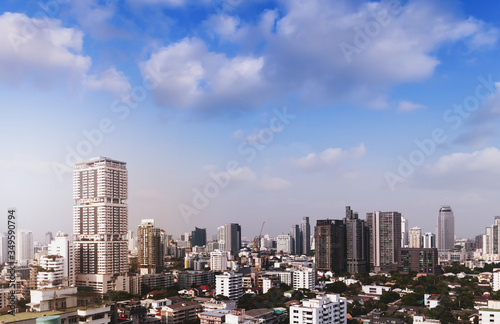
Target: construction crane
257, 248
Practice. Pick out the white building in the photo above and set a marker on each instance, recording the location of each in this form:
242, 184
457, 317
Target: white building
218, 260
100, 222
284, 243
42, 300
491, 314
375, 290
429, 240
304, 278
52, 272
423, 320
284, 276
63, 246
431, 301
25, 249
266, 285
404, 232
329, 309
496, 279
229, 284
95, 315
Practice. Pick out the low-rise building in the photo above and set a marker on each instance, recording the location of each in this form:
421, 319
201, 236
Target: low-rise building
180, 312
491, 314
329, 309
94, 315
431, 301
375, 290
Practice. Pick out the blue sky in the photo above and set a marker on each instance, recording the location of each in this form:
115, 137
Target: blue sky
251, 111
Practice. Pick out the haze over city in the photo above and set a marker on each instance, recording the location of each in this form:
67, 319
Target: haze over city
249, 111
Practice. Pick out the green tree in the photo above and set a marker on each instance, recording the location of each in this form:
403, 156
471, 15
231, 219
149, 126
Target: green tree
389, 297
338, 287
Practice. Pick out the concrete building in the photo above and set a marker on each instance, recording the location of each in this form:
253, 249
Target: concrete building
415, 237
357, 243
432, 300
181, 312
185, 279
428, 240
420, 260
385, 239
100, 222
296, 240
42, 300
496, 279
284, 244
229, 284
375, 290
149, 247
25, 250
405, 236
329, 309
445, 230
63, 246
230, 238
51, 273
491, 314
305, 235
218, 260
199, 237
330, 240
102, 315
304, 278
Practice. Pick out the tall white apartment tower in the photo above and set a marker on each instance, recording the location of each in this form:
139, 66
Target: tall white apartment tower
62, 246
100, 222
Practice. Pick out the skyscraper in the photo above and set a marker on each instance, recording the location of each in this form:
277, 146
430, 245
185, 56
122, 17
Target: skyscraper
48, 238
61, 245
232, 238
445, 231
385, 238
330, 240
25, 250
284, 244
404, 232
305, 233
296, 240
199, 237
357, 243
415, 237
100, 222
150, 247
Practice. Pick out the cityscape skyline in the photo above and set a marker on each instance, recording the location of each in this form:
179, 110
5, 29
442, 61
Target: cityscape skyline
245, 112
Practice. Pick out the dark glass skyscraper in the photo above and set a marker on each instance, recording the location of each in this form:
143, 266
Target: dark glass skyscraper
199, 237
330, 239
305, 231
357, 242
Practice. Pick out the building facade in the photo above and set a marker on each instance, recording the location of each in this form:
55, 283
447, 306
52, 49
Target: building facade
149, 247
385, 238
284, 244
229, 284
330, 249
329, 309
100, 222
415, 237
445, 230
357, 243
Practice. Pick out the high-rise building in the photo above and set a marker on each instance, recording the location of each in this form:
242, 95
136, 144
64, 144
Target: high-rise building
304, 278
445, 231
63, 246
218, 260
3, 248
415, 237
48, 238
221, 237
491, 242
199, 237
232, 238
305, 233
385, 238
357, 243
405, 238
149, 247
25, 250
100, 222
420, 260
284, 244
429, 240
330, 240
296, 240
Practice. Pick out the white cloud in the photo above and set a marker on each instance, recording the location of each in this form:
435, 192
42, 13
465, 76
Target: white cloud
274, 183
40, 50
328, 158
172, 3
243, 174
407, 106
190, 76
484, 161
110, 80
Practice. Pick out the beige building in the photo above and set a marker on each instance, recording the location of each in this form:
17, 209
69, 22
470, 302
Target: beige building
180, 312
100, 222
415, 237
